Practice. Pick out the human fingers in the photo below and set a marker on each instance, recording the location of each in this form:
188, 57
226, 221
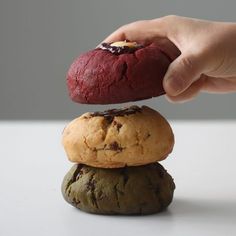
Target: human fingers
188, 94
219, 85
141, 31
182, 72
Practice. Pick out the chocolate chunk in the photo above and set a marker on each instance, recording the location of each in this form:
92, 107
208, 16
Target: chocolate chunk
124, 173
91, 184
118, 125
77, 173
119, 50
110, 114
147, 136
161, 174
115, 147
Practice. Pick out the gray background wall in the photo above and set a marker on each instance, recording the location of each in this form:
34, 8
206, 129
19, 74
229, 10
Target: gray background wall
40, 38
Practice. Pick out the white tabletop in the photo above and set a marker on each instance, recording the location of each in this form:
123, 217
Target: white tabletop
33, 165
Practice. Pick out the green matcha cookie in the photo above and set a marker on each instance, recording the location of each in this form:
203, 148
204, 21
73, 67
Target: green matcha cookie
130, 190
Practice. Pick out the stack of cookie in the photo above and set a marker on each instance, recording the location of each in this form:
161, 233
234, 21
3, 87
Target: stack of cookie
116, 151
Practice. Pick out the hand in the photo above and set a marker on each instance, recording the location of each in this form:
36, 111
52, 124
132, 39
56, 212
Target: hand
208, 53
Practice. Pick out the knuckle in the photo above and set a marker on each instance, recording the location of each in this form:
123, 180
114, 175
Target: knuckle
139, 23
187, 63
122, 28
170, 18
126, 27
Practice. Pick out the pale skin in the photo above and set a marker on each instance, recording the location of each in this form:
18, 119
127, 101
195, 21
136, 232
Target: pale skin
208, 53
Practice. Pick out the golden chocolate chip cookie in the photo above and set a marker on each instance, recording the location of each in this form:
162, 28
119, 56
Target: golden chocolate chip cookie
115, 138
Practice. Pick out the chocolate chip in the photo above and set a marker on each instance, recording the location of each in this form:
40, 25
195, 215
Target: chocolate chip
109, 118
100, 195
124, 172
91, 183
75, 201
118, 125
115, 146
110, 114
77, 172
147, 136
161, 174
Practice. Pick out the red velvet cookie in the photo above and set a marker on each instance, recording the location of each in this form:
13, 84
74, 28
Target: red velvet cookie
118, 72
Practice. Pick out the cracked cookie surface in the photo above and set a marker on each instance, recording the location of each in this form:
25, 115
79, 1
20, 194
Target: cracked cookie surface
120, 137
130, 190
102, 77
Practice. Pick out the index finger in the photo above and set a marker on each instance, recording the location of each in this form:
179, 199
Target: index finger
146, 32
141, 31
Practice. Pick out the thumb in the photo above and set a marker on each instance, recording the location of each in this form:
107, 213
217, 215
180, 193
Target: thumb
182, 72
